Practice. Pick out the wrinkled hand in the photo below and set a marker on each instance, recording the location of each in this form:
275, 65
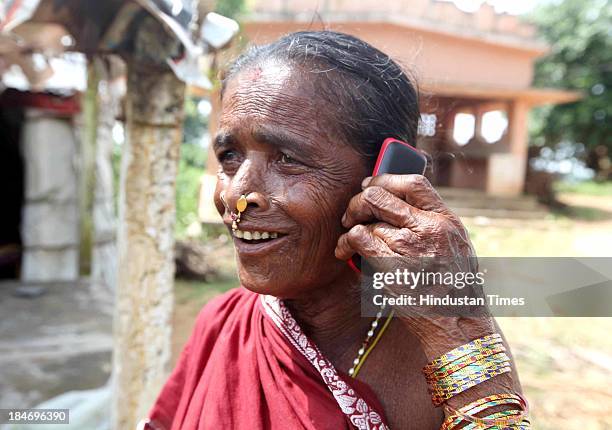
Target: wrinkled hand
403, 216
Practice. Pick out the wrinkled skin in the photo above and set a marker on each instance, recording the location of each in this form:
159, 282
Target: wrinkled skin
403, 217
300, 190
277, 142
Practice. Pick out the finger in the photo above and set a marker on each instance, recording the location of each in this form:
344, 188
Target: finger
377, 204
361, 240
402, 241
384, 231
415, 190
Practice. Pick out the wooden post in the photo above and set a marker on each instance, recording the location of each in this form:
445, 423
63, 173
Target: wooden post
154, 114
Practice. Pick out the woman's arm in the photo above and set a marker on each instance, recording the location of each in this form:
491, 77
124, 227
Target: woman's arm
402, 217
445, 334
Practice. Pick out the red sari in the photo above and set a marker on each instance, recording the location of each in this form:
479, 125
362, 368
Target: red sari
248, 365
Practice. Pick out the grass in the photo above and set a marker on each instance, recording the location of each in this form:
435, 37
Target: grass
562, 362
554, 240
583, 213
587, 188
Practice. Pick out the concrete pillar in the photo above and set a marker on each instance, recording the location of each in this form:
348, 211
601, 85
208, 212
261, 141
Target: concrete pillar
154, 114
104, 246
50, 226
478, 112
506, 171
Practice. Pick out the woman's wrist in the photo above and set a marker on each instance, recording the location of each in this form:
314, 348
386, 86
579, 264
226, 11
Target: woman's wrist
467, 362
440, 335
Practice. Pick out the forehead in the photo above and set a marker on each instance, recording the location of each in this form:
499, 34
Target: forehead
272, 94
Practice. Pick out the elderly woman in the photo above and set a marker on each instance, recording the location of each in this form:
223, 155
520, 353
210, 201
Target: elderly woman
301, 124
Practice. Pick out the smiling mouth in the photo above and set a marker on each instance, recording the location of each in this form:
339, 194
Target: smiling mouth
255, 237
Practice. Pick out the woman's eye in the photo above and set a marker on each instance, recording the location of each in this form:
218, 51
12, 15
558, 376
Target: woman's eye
226, 155
229, 161
287, 159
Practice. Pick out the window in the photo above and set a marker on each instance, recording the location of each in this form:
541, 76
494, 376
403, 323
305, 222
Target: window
494, 125
464, 128
427, 124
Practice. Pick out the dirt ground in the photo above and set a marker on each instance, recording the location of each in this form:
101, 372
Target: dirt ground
565, 364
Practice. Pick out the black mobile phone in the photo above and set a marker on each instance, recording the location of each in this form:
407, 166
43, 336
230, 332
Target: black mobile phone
399, 158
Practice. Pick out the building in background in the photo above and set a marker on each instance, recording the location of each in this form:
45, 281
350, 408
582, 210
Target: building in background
39, 145
474, 70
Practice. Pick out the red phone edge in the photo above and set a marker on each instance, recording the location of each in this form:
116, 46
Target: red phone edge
383, 149
379, 159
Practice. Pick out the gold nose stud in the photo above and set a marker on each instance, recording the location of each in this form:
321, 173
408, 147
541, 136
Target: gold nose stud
241, 206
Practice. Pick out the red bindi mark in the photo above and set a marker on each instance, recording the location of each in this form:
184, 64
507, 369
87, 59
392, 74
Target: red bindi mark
254, 74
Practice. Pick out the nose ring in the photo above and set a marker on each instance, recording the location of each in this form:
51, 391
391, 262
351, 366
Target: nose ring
241, 206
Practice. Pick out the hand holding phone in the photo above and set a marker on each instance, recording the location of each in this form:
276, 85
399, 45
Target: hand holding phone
398, 158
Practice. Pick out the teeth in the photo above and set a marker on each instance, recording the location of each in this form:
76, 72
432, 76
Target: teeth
254, 235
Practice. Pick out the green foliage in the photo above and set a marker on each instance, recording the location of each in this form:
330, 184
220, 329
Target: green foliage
191, 166
580, 59
188, 186
195, 124
230, 8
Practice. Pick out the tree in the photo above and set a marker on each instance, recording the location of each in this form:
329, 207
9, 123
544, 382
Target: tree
230, 8
579, 34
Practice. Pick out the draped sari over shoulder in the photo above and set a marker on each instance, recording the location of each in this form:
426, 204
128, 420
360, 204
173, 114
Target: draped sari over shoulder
248, 365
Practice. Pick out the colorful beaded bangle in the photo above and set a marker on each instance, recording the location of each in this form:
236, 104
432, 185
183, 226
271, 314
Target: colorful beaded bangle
503, 419
439, 396
459, 375
495, 421
467, 412
523, 425
462, 351
465, 361
472, 371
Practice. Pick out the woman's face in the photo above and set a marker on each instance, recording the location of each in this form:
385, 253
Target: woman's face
276, 142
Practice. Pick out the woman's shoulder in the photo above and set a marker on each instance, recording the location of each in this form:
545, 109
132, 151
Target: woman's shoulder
224, 309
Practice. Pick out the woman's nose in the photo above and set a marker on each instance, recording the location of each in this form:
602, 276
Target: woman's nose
257, 199
248, 181
254, 199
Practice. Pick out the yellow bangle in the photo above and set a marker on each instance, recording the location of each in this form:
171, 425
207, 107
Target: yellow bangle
462, 351
480, 357
504, 418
